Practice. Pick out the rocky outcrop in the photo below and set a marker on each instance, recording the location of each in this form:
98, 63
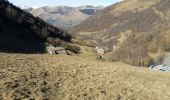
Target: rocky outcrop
56, 50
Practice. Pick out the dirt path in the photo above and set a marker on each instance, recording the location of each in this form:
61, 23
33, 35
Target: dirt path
74, 78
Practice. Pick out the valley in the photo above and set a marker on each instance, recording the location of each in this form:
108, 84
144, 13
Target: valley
86, 52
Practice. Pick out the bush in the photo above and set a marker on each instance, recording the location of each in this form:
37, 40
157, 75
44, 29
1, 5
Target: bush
133, 51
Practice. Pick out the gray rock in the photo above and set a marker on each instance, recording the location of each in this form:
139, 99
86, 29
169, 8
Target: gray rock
69, 52
160, 67
56, 50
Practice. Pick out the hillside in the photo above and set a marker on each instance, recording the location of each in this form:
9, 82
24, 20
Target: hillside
28, 73
63, 16
21, 32
39, 77
136, 30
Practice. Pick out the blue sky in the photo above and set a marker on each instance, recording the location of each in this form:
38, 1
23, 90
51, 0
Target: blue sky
37, 3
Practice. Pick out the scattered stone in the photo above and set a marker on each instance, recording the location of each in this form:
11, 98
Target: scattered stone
103, 92
14, 85
85, 94
160, 67
45, 88
1, 98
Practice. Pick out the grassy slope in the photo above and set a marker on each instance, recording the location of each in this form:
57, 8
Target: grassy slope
137, 28
73, 77
136, 16
114, 14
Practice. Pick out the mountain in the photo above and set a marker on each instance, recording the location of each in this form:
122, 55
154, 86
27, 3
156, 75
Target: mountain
21, 32
138, 31
28, 9
25, 76
63, 16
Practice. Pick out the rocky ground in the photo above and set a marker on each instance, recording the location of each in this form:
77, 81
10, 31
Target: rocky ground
61, 77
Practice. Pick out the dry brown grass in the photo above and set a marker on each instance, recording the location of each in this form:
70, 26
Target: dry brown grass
72, 77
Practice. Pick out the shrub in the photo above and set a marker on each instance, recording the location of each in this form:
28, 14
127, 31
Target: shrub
133, 51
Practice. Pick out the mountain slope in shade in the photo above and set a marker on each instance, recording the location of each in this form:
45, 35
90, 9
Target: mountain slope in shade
136, 30
21, 32
64, 16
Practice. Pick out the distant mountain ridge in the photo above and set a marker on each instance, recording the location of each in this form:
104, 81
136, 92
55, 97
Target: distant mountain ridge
63, 16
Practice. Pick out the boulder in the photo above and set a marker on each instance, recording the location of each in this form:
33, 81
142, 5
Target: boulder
68, 46
56, 50
71, 47
70, 52
60, 50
